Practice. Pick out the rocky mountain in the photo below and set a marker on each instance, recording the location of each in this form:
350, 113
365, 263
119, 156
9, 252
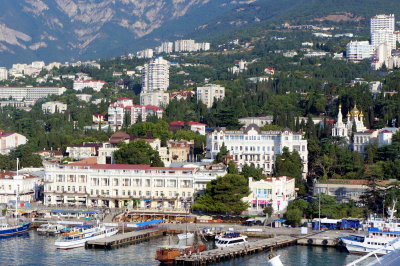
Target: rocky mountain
81, 29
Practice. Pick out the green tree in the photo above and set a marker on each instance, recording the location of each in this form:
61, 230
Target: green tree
137, 152
290, 164
224, 194
232, 168
252, 171
221, 155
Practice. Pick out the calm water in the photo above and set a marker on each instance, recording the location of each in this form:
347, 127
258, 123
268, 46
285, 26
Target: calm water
34, 249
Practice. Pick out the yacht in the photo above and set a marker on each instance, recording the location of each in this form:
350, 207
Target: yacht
231, 239
78, 240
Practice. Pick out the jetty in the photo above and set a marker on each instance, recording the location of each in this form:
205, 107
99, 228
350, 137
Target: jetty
221, 254
126, 238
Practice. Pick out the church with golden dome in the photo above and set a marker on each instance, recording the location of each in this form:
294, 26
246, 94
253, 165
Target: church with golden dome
344, 129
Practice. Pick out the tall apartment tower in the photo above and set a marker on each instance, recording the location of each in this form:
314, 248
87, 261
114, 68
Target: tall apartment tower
382, 31
155, 75
155, 82
3, 73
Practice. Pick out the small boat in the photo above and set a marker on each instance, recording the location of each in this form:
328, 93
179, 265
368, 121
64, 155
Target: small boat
79, 239
185, 236
7, 230
51, 229
231, 239
275, 261
167, 254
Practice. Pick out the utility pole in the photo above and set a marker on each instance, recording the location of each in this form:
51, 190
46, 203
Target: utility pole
319, 211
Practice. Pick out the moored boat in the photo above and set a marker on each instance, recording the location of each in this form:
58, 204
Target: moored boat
231, 239
79, 239
51, 229
167, 254
7, 230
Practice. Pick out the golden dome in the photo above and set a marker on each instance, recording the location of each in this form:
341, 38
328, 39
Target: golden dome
355, 112
361, 114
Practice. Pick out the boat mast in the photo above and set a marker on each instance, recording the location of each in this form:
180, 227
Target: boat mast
17, 194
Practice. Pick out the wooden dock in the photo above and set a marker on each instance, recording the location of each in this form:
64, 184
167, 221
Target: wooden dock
221, 254
126, 238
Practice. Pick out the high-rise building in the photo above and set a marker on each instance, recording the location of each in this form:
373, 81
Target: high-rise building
382, 31
165, 47
358, 50
146, 53
29, 93
155, 75
3, 73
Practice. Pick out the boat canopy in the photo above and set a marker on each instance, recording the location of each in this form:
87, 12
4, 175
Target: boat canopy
150, 222
70, 211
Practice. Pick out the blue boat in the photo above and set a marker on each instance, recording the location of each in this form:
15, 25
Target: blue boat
7, 230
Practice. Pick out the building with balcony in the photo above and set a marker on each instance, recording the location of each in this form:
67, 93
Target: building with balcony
251, 145
82, 151
118, 185
276, 192
210, 93
29, 93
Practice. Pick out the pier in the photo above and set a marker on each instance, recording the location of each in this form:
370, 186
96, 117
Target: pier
221, 254
126, 238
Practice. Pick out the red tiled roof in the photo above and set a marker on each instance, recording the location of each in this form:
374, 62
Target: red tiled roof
124, 98
177, 123
98, 115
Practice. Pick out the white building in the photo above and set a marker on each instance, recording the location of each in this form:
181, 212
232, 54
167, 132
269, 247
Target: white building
124, 111
146, 53
259, 121
382, 31
29, 93
368, 137
358, 50
3, 73
155, 75
54, 107
11, 183
251, 145
276, 192
116, 111
156, 98
197, 127
144, 111
83, 151
96, 85
10, 141
354, 117
210, 93
84, 97
115, 185
165, 47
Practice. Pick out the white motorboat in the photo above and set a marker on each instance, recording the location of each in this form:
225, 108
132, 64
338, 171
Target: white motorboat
185, 236
79, 240
231, 239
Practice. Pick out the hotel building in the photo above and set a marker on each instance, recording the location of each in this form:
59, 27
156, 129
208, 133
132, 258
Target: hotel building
119, 185
251, 145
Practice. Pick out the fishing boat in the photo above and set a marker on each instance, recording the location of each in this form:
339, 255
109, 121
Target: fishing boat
185, 236
79, 239
18, 227
231, 239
